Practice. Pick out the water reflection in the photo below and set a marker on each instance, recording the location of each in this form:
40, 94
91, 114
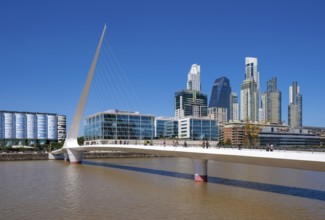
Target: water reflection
72, 190
285, 190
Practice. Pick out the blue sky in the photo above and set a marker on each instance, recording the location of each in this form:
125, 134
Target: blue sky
46, 48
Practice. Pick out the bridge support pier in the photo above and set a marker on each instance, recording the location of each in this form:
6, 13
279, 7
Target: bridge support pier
66, 157
75, 156
200, 170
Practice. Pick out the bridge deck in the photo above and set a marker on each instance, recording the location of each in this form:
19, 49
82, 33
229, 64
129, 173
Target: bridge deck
278, 158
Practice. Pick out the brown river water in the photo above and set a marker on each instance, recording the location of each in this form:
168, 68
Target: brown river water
157, 188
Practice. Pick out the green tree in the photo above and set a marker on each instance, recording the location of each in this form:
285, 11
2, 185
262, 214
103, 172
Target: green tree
81, 140
228, 142
55, 145
251, 134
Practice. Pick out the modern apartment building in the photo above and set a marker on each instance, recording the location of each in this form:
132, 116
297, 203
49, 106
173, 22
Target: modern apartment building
295, 106
271, 103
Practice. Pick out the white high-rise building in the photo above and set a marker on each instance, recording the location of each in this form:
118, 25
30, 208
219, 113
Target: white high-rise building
250, 91
249, 107
193, 78
252, 71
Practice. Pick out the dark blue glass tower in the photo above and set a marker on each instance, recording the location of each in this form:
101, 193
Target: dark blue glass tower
220, 94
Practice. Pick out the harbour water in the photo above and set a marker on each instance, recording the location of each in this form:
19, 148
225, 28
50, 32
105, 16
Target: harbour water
157, 188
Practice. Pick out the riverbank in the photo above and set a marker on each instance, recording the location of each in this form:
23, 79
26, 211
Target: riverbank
88, 155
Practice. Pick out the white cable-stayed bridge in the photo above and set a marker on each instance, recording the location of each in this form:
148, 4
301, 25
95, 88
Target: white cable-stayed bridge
73, 152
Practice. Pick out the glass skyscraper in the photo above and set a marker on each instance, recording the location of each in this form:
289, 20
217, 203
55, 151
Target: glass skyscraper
220, 94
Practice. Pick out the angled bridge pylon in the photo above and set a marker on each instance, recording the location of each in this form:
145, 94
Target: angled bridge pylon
71, 142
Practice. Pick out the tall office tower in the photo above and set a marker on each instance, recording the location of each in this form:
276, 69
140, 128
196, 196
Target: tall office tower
295, 106
190, 103
220, 95
250, 91
273, 102
234, 107
193, 78
262, 111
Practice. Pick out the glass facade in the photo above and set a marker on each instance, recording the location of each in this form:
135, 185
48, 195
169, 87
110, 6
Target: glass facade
119, 125
220, 94
166, 128
198, 129
203, 129
288, 139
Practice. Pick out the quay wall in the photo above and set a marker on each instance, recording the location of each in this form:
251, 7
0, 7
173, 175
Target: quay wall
23, 156
87, 155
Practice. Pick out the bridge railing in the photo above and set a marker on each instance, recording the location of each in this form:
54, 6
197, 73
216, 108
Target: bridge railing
199, 144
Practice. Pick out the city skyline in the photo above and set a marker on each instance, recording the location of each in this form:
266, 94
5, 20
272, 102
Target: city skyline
46, 56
